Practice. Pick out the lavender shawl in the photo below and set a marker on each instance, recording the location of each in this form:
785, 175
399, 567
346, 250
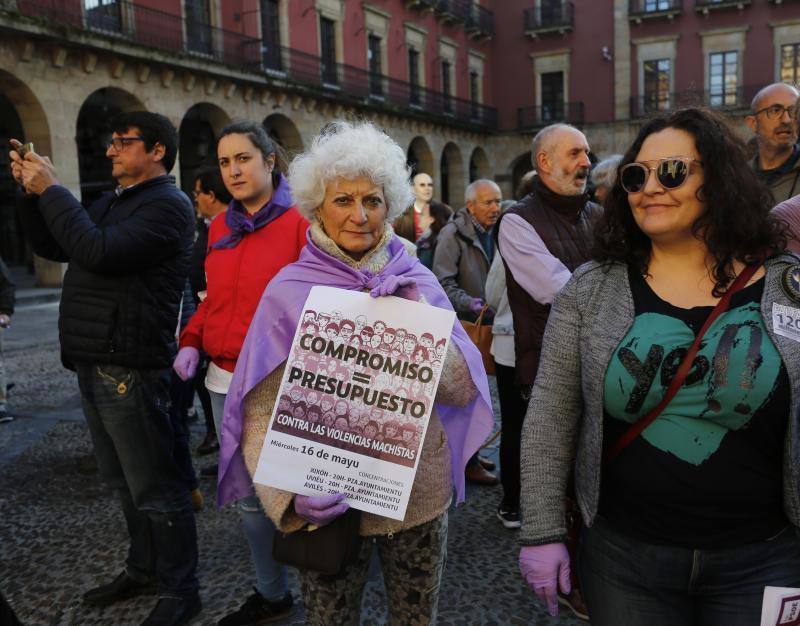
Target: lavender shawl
269, 340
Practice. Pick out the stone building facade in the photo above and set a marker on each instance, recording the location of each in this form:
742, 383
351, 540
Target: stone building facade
66, 67
462, 84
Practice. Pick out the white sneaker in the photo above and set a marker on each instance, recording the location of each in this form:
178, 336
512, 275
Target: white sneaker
509, 518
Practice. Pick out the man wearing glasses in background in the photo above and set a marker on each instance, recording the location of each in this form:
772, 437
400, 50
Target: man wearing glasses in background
129, 256
774, 122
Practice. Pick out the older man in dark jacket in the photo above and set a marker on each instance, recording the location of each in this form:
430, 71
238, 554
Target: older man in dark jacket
129, 256
465, 249
461, 262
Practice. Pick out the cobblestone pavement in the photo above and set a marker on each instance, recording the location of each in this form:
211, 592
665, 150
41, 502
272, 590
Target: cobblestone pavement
62, 530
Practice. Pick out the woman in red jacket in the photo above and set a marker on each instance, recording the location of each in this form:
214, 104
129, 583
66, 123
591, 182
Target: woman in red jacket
248, 244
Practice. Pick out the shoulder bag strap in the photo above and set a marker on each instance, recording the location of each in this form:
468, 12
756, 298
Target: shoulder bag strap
683, 369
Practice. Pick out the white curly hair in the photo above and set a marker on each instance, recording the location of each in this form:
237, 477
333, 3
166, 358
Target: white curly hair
349, 150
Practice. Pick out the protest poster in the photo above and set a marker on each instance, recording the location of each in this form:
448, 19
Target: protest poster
780, 607
355, 399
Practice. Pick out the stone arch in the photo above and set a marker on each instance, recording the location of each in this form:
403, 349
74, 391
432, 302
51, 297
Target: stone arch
284, 131
200, 126
92, 133
419, 157
21, 117
451, 168
519, 167
479, 165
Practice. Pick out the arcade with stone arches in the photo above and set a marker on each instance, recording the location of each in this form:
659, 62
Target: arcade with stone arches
66, 111
22, 117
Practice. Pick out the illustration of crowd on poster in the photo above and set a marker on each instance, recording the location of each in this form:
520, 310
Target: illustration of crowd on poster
360, 385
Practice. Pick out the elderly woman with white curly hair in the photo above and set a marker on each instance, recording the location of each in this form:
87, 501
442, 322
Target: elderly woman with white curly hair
351, 184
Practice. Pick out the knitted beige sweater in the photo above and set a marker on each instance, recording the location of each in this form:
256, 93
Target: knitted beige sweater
432, 489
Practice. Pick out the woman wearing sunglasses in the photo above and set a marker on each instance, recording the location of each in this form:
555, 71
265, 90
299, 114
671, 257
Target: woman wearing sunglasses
689, 518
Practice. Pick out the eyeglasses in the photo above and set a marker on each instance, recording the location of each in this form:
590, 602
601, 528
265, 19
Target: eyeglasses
120, 143
776, 111
671, 173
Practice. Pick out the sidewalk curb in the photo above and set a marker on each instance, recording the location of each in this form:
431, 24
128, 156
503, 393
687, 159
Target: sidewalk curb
43, 295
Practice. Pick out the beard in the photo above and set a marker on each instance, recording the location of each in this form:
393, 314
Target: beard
571, 184
784, 142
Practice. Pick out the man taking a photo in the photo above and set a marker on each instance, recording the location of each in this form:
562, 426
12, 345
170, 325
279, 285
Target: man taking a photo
128, 256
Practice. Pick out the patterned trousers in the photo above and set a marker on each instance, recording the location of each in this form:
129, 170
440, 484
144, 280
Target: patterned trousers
412, 562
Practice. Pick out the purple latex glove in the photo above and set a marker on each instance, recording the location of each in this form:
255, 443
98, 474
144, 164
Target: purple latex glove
186, 362
400, 286
545, 568
475, 305
320, 510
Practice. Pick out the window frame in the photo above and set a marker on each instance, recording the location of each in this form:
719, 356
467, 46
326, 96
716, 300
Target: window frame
661, 101
727, 96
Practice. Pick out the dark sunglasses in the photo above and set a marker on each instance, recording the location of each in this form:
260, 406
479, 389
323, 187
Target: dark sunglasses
671, 173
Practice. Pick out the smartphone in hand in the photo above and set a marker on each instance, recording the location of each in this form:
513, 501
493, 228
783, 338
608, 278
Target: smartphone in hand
23, 149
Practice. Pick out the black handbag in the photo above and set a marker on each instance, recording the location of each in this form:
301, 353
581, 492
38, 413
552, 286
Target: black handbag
326, 550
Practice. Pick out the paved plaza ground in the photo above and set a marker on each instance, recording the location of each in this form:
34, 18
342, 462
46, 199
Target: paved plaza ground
62, 532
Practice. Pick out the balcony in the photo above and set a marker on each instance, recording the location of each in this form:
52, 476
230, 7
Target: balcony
730, 100
706, 6
532, 118
352, 85
555, 18
106, 17
422, 5
640, 10
285, 68
135, 24
452, 11
480, 22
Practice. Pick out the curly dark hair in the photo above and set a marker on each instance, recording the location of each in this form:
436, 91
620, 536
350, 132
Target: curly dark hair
736, 225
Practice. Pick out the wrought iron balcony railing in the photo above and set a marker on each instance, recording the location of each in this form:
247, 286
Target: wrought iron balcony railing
544, 114
452, 11
143, 26
480, 22
291, 69
639, 10
349, 84
737, 99
421, 4
705, 6
555, 17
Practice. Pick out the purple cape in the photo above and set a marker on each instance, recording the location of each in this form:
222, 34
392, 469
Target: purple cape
269, 341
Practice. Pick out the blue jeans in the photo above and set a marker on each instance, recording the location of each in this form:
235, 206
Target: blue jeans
271, 580
627, 581
178, 391
128, 416
3, 390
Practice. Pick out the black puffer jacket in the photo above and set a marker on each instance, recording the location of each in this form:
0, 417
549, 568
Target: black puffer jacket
128, 259
197, 273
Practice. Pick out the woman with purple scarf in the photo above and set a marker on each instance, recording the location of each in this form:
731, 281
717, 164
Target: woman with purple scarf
351, 185
248, 244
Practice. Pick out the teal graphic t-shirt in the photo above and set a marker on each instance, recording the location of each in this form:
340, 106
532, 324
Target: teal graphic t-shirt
708, 472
